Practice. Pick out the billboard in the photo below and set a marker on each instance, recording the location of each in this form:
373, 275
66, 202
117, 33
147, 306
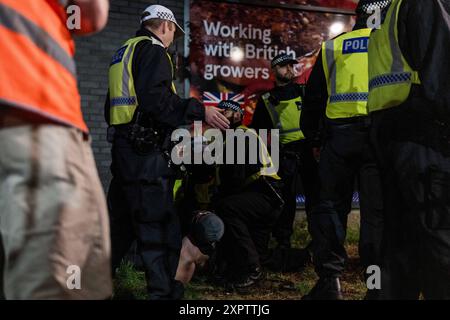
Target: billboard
231, 44
339, 4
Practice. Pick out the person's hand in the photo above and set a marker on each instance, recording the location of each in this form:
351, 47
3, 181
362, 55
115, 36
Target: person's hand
214, 117
94, 15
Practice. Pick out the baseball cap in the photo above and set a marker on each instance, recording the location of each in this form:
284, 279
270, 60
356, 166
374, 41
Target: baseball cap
157, 11
283, 59
207, 229
231, 104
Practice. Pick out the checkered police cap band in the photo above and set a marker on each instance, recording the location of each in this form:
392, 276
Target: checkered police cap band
165, 16
282, 59
371, 6
159, 15
233, 105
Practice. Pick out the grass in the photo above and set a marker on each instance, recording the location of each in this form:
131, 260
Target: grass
130, 284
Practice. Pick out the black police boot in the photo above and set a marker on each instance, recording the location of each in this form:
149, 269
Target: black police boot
325, 289
249, 279
256, 273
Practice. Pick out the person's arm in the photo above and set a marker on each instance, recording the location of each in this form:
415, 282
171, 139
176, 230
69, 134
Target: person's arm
315, 103
94, 15
185, 271
190, 256
186, 264
424, 38
153, 79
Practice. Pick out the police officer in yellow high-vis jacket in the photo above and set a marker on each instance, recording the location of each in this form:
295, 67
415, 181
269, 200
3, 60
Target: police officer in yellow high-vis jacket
409, 103
142, 109
249, 202
281, 108
337, 92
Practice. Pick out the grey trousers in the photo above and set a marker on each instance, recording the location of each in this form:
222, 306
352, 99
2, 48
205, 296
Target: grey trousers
53, 217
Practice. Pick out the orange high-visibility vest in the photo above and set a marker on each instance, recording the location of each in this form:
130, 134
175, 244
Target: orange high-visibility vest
37, 66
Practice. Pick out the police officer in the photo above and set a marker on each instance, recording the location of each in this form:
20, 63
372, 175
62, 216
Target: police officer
280, 109
143, 108
337, 91
409, 102
249, 206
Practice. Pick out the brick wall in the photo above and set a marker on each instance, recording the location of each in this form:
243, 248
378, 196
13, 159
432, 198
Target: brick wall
93, 57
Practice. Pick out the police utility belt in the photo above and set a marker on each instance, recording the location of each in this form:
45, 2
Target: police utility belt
143, 139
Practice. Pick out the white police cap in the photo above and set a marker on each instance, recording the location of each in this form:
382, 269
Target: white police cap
157, 11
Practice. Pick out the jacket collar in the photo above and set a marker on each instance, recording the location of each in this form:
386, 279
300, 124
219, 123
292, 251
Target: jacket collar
143, 32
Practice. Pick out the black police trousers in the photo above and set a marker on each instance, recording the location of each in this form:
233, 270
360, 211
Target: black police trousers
248, 218
346, 156
296, 159
140, 201
414, 154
